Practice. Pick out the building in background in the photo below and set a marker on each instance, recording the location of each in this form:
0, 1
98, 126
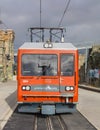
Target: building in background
88, 61
6, 54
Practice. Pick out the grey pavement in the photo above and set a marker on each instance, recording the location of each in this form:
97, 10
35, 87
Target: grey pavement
7, 100
89, 104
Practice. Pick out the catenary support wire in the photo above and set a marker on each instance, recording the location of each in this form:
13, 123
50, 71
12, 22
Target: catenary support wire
67, 5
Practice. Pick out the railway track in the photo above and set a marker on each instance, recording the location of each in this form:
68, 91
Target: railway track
67, 121
49, 123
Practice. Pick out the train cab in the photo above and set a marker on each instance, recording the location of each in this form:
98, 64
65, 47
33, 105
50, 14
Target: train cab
47, 78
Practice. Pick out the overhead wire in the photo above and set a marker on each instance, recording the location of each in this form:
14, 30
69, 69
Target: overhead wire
40, 12
66, 8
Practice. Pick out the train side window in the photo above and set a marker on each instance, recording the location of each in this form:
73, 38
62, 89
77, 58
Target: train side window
67, 64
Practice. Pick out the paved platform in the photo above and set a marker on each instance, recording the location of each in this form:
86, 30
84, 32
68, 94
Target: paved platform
7, 100
89, 106
89, 87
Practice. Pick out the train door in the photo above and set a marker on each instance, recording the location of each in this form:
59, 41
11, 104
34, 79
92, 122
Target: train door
67, 72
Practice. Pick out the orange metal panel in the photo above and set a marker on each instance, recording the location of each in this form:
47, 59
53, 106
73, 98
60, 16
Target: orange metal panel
55, 80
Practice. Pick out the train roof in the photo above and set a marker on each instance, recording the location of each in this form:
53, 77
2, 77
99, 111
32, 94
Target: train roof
58, 46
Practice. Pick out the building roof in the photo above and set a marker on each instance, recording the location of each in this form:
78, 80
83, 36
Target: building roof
57, 46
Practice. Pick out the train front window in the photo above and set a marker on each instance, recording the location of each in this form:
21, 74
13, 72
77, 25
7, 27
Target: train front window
67, 64
39, 65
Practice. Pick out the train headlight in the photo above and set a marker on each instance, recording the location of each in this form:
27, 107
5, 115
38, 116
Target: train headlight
23, 88
26, 88
45, 45
48, 45
69, 88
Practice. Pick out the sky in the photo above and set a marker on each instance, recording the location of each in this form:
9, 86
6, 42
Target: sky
81, 20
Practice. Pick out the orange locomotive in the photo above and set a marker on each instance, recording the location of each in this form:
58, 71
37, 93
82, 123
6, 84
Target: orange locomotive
47, 78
